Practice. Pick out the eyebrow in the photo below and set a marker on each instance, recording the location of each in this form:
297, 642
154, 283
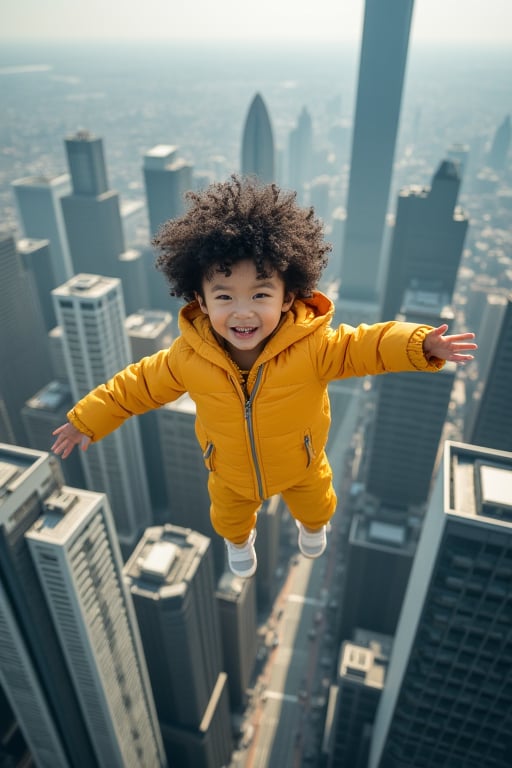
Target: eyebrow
263, 284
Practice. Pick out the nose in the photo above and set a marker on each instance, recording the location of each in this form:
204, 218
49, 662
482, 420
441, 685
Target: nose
243, 309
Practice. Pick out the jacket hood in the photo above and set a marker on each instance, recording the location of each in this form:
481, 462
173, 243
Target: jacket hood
303, 318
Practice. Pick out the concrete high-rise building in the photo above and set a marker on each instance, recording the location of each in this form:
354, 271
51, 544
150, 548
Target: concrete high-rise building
378, 563
90, 311
167, 177
300, 154
25, 365
33, 671
148, 332
171, 579
497, 157
76, 554
490, 422
186, 476
93, 221
58, 360
258, 143
402, 476
267, 550
428, 240
236, 602
36, 259
447, 700
42, 413
38, 200
379, 94
354, 698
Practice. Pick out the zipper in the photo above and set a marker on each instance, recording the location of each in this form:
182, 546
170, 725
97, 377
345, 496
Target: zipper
250, 429
308, 445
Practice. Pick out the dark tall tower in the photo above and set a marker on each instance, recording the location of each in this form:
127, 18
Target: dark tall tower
24, 355
490, 422
497, 156
93, 222
428, 240
300, 154
170, 576
447, 698
258, 143
381, 76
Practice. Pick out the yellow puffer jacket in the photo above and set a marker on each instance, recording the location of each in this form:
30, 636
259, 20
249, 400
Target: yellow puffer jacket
263, 444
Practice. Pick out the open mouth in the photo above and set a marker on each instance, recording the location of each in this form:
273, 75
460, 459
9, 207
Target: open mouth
241, 331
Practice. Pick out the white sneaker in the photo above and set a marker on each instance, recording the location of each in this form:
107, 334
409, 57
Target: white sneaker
242, 558
312, 544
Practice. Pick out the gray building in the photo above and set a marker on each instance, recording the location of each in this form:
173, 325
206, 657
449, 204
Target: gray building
33, 671
90, 310
36, 259
447, 696
167, 177
380, 553
354, 697
427, 241
379, 94
42, 413
38, 200
24, 352
236, 602
93, 221
411, 410
300, 154
490, 423
171, 579
258, 143
185, 474
76, 554
267, 550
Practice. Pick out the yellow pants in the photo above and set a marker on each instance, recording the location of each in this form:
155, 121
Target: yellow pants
312, 502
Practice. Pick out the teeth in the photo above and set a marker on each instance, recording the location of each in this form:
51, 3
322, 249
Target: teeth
244, 330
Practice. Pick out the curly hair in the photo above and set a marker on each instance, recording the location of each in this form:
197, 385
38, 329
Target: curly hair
236, 220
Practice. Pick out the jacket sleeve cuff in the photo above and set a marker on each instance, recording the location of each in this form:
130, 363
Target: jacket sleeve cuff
75, 421
416, 354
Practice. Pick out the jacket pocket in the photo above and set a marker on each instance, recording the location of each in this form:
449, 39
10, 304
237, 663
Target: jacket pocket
208, 455
310, 451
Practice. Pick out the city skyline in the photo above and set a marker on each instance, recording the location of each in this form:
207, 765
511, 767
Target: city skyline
434, 20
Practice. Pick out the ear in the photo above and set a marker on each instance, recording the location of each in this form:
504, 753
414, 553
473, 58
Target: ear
288, 300
201, 302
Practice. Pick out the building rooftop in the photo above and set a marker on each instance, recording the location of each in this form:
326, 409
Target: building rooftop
480, 483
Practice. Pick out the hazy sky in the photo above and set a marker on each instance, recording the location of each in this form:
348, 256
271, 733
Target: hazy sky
444, 20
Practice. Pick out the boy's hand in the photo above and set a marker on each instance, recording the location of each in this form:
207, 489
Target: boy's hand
435, 344
67, 437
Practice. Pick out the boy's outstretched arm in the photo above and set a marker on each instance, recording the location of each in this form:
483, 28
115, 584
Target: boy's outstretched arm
67, 437
452, 348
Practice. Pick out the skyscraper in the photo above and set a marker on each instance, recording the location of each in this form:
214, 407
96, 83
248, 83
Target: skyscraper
300, 154
354, 698
93, 221
427, 241
74, 548
38, 200
25, 365
447, 698
498, 152
490, 423
379, 94
236, 602
36, 259
33, 671
170, 576
186, 476
90, 311
167, 177
258, 143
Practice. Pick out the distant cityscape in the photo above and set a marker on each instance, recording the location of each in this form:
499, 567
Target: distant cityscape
125, 641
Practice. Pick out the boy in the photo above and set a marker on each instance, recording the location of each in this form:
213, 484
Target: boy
256, 353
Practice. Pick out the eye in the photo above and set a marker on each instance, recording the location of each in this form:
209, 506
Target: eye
222, 297
261, 295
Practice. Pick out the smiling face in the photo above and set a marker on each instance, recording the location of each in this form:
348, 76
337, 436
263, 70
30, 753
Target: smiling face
244, 309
